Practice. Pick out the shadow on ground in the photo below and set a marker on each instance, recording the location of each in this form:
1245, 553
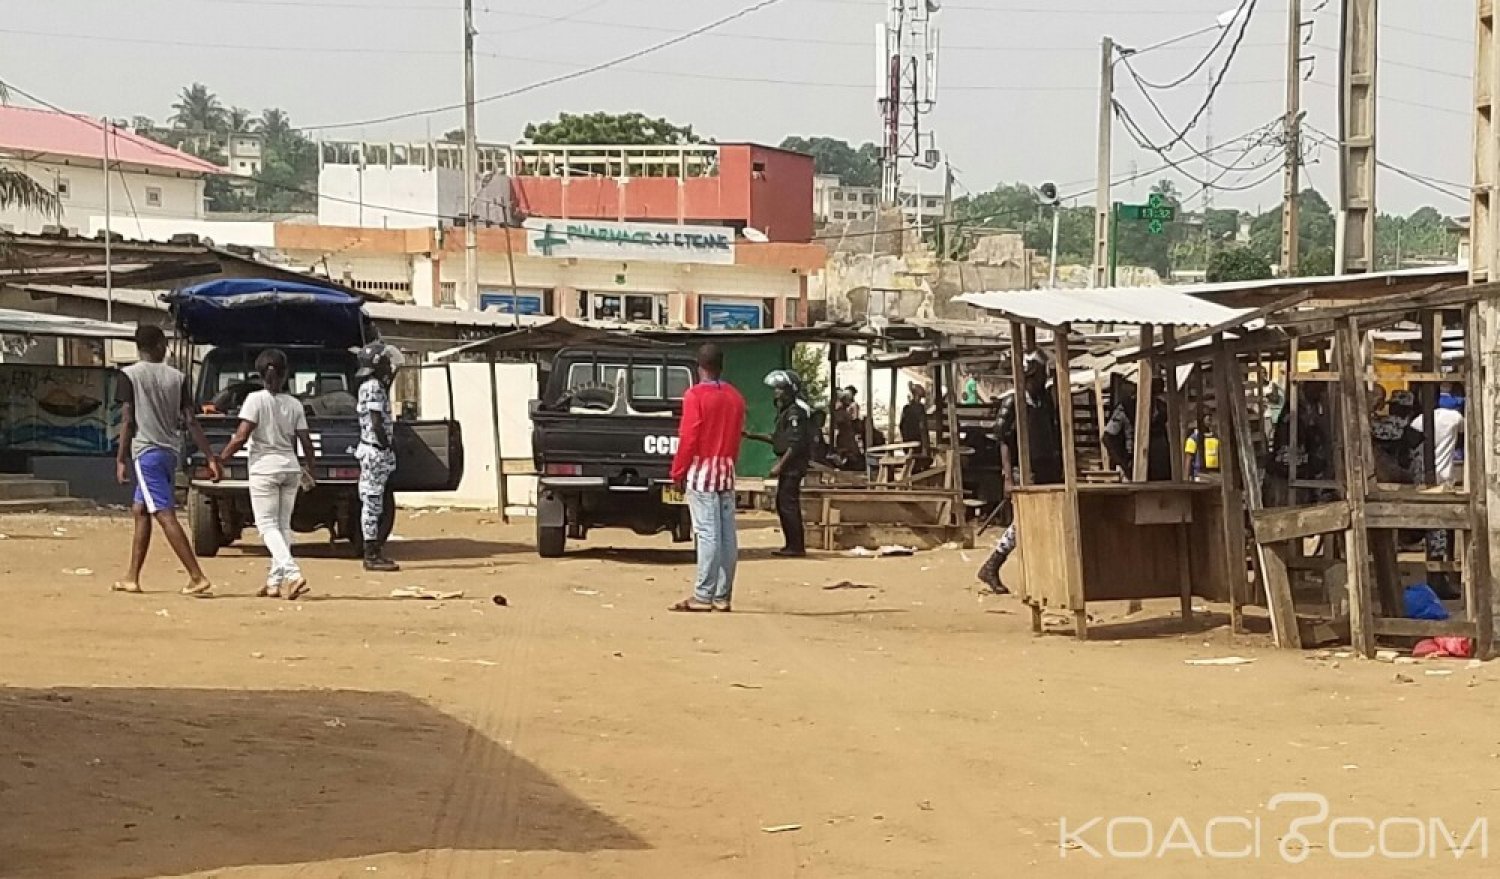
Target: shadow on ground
132, 783
422, 549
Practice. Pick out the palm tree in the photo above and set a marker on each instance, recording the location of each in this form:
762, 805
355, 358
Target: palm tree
199, 109
275, 125
241, 121
20, 190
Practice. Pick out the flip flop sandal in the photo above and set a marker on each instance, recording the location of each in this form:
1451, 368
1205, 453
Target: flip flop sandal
202, 590
269, 592
687, 605
295, 589
723, 607
122, 586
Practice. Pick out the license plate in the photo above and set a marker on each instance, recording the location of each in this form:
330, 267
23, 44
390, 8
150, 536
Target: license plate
672, 496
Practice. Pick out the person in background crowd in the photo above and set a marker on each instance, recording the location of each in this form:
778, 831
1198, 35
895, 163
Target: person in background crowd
713, 419
1202, 450
1044, 437
1119, 437
155, 402
376, 452
273, 422
1312, 452
971, 390
792, 442
846, 431
913, 426
1444, 446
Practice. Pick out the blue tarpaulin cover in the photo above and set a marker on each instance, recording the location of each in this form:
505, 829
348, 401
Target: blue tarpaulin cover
267, 312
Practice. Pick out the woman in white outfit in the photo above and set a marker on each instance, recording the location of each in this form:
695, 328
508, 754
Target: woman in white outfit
272, 421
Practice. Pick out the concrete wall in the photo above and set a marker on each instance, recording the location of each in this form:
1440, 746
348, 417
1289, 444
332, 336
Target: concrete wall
844, 288
180, 197
398, 197
517, 383
248, 233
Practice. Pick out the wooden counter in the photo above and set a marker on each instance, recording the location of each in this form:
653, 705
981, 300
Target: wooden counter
1138, 540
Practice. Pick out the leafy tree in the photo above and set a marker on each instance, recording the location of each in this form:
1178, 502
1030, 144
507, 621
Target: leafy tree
198, 109
854, 166
1425, 235
455, 135
810, 363
238, 120
1237, 263
20, 190
1315, 235
627, 129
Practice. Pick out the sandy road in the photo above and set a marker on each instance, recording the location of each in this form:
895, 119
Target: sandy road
911, 729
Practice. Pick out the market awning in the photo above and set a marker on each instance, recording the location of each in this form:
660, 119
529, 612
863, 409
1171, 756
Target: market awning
1160, 306
14, 322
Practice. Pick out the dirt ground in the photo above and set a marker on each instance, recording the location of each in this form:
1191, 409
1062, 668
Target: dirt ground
911, 729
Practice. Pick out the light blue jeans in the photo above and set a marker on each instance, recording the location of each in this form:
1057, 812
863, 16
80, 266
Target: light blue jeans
718, 544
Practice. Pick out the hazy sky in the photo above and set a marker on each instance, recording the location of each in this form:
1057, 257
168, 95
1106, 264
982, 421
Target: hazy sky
1017, 99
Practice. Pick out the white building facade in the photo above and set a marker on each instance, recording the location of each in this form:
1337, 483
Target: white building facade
66, 154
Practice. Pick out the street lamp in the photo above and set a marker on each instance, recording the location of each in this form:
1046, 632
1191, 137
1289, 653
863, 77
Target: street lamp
1048, 194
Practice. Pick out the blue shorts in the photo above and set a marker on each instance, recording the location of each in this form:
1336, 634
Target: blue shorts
156, 480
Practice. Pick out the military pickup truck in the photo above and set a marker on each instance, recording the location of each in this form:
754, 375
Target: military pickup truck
603, 436
229, 323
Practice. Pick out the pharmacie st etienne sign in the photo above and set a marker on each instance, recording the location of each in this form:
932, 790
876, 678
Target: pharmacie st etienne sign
643, 242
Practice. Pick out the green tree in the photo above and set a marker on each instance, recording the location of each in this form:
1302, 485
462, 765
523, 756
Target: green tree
1425, 235
616, 129
810, 363
854, 166
199, 109
1315, 235
1237, 263
238, 120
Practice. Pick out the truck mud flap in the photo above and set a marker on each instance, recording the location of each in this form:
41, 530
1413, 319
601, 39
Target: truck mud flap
551, 512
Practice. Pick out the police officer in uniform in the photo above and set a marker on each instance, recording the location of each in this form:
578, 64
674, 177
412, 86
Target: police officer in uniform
376, 452
792, 443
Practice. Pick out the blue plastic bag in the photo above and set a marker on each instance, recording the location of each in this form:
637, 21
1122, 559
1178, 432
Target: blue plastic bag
1423, 604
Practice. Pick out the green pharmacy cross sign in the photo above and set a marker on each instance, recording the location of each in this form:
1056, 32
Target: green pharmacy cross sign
1154, 213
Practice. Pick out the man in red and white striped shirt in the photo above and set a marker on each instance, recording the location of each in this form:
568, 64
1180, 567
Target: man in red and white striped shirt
713, 420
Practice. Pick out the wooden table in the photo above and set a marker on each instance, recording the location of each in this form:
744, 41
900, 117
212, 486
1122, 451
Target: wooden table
1138, 540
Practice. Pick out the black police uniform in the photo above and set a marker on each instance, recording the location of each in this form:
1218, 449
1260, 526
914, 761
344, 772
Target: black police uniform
792, 439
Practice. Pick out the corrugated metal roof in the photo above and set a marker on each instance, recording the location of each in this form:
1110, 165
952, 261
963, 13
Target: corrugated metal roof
31, 323
1163, 306
27, 131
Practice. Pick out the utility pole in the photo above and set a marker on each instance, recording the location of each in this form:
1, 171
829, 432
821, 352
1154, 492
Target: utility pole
947, 236
471, 168
109, 236
1484, 265
1104, 204
1292, 133
1357, 48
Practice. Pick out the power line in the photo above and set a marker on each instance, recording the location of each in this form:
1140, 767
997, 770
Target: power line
1202, 62
565, 77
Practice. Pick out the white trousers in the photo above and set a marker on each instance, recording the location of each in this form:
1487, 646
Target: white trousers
272, 497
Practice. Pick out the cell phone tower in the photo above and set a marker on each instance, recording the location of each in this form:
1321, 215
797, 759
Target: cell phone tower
906, 49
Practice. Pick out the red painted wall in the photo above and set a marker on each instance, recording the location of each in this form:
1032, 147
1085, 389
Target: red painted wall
777, 200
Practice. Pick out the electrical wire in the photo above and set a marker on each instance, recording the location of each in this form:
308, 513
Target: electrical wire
565, 77
1208, 56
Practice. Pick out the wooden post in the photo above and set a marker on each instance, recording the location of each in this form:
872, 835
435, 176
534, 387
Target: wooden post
1102, 417
953, 479
1293, 394
1356, 468
1427, 392
501, 494
1174, 404
1478, 578
1072, 537
1145, 374
1272, 565
1023, 432
869, 421
1226, 404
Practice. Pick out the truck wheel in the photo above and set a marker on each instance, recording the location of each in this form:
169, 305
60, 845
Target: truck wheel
551, 541
203, 522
